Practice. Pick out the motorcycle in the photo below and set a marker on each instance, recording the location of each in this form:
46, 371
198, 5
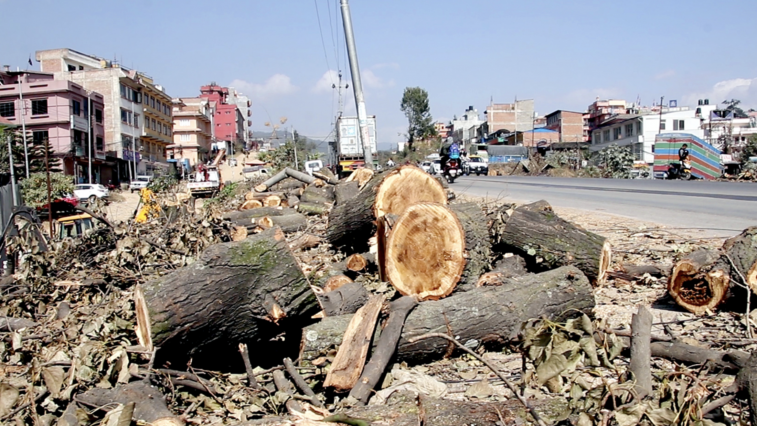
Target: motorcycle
452, 170
681, 170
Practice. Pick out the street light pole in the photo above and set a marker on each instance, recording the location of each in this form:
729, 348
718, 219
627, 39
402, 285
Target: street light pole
13, 173
23, 126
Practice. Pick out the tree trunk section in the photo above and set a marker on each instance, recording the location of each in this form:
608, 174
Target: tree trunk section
477, 243
700, 281
352, 223
747, 381
289, 223
150, 404
424, 252
236, 292
742, 249
313, 209
346, 299
242, 217
487, 315
323, 195
641, 354
344, 191
546, 241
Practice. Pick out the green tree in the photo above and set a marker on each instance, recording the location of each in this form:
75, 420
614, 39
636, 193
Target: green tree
750, 150
416, 108
617, 161
733, 106
34, 189
36, 150
284, 155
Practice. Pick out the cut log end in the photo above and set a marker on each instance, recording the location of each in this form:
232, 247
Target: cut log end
605, 258
335, 282
356, 262
695, 290
272, 201
406, 186
144, 335
251, 204
424, 254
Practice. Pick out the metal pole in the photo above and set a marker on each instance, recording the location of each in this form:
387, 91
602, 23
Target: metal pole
13, 173
23, 127
294, 143
89, 134
659, 128
49, 187
357, 85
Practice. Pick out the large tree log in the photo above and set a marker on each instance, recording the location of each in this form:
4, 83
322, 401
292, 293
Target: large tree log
235, 292
242, 217
485, 315
289, 223
344, 191
477, 243
323, 195
346, 299
700, 281
352, 223
742, 251
546, 241
150, 404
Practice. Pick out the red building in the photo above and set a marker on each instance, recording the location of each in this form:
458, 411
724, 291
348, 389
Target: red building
228, 123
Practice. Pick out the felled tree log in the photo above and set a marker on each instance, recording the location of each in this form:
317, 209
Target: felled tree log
242, 217
149, 403
546, 241
477, 243
289, 223
424, 251
278, 177
700, 281
346, 299
235, 292
344, 191
485, 315
742, 251
352, 223
323, 195
313, 209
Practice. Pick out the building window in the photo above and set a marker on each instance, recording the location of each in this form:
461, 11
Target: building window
616, 133
99, 115
629, 130
678, 125
606, 135
39, 136
71, 68
152, 102
75, 107
99, 144
662, 124
184, 122
638, 127
126, 116
153, 124
136, 120
39, 106
7, 109
185, 137
123, 91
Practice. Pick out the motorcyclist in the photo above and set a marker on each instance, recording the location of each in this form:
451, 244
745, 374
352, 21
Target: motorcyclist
444, 153
683, 153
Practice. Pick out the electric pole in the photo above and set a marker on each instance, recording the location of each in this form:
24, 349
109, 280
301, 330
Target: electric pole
357, 85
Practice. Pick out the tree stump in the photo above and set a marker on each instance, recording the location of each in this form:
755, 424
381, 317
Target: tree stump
546, 241
742, 251
245, 291
491, 316
352, 223
700, 281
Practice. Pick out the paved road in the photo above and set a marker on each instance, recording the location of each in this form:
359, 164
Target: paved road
717, 208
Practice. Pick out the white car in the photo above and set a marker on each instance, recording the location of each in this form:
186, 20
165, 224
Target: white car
139, 183
428, 167
90, 192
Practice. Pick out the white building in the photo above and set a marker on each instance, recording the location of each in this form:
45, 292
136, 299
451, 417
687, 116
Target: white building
464, 129
638, 130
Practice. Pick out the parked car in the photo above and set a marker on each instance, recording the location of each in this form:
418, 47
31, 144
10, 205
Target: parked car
477, 165
427, 167
90, 192
139, 183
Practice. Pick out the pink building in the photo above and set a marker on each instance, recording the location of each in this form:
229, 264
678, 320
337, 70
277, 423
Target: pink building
62, 112
228, 122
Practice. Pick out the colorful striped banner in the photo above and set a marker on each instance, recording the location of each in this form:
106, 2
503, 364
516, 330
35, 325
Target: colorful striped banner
705, 159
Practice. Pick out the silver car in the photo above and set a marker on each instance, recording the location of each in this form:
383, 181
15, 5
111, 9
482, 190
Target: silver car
90, 192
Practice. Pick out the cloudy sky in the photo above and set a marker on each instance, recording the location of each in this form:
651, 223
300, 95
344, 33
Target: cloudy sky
286, 54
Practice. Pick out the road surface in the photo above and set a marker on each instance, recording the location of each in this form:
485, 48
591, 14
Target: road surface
716, 208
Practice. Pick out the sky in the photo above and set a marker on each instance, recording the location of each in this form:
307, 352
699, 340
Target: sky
286, 54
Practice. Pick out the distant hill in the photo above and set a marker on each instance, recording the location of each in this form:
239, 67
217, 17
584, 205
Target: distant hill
321, 146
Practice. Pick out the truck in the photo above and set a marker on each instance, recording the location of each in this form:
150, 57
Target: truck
704, 158
350, 155
206, 181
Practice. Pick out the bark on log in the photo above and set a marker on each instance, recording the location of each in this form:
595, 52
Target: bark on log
486, 315
477, 243
700, 281
313, 209
278, 177
252, 195
424, 253
546, 241
742, 250
387, 345
150, 404
242, 217
235, 292
326, 177
306, 241
346, 299
336, 281
361, 176
289, 223
350, 359
747, 382
324, 195
344, 191
641, 354
352, 223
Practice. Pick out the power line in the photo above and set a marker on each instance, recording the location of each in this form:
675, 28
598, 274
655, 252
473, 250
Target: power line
323, 43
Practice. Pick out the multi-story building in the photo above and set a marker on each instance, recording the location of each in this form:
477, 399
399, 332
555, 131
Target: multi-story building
514, 117
192, 131
228, 123
572, 126
123, 92
243, 103
466, 128
69, 117
539, 138
157, 108
443, 130
638, 130
601, 110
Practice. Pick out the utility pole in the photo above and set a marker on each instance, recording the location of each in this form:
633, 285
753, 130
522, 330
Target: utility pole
49, 187
89, 135
357, 85
659, 129
13, 173
23, 126
294, 144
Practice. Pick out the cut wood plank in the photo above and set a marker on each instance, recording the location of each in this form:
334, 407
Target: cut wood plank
424, 254
350, 359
